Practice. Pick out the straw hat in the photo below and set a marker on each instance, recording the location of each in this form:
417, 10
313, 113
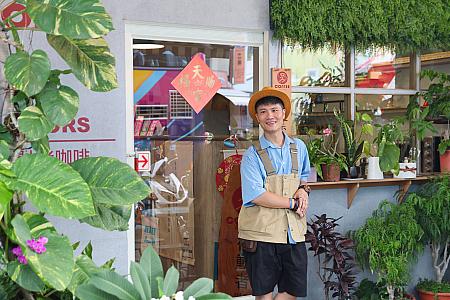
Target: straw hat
266, 92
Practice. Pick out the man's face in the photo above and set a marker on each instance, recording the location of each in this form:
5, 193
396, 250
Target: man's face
270, 117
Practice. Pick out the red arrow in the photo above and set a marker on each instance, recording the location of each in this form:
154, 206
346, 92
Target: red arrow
144, 161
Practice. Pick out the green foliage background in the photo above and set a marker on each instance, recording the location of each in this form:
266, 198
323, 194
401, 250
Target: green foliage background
401, 25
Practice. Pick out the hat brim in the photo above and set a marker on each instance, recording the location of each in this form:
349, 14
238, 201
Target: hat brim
266, 92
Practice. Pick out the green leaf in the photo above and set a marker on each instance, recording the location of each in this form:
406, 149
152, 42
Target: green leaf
367, 129
41, 146
199, 287
114, 284
4, 149
60, 105
83, 271
90, 60
52, 186
151, 263
5, 197
110, 217
214, 296
141, 281
37, 223
28, 73
21, 230
88, 250
171, 281
366, 118
56, 264
34, 124
389, 160
108, 264
24, 276
90, 292
160, 284
78, 19
111, 181
19, 97
5, 134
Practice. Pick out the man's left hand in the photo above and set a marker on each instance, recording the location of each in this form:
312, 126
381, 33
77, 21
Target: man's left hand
302, 195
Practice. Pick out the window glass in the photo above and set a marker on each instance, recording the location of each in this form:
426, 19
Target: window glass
314, 112
381, 68
436, 61
315, 68
181, 218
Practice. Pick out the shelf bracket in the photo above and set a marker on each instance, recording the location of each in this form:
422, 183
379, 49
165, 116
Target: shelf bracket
351, 193
403, 190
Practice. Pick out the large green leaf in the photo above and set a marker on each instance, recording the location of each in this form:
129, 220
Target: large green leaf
37, 223
5, 134
171, 281
140, 280
214, 296
111, 181
110, 217
60, 105
199, 287
114, 284
28, 73
389, 157
56, 264
34, 124
90, 292
52, 186
90, 60
41, 146
151, 264
77, 19
83, 271
5, 198
21, 230
4, 149
24, 276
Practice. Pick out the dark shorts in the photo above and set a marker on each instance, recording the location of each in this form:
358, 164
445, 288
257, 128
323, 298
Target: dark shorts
277, 264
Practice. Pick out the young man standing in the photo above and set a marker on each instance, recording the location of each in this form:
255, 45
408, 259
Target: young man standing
272, 223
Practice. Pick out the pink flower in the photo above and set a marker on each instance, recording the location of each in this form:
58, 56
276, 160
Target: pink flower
22, 259
17, 251
38, 245
327, 131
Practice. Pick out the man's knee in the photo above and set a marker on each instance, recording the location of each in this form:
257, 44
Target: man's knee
267, 296
284, 296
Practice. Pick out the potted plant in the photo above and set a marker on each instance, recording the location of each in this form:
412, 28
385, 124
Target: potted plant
432, 204
353, 145
313, 146
388, 242
331, 161
334, 257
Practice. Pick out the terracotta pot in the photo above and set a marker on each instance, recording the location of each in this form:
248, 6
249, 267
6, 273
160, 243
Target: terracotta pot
331, 172
424, 295
445, 161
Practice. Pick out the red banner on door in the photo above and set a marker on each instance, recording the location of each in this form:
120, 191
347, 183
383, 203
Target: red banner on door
239, 65
197, 83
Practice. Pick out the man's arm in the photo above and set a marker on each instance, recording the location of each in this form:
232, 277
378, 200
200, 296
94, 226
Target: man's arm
271, 200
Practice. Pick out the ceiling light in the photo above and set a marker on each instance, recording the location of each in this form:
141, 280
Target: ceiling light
147, 46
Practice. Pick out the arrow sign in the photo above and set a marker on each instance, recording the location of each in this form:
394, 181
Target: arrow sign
143, 161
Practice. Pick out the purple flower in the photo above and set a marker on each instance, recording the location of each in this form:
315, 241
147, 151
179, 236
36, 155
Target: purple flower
38, 245
22, 259
17, 251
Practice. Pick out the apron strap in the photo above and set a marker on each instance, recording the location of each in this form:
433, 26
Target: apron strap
265, 159
294, 157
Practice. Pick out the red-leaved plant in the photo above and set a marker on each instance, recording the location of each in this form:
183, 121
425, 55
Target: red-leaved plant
333, 252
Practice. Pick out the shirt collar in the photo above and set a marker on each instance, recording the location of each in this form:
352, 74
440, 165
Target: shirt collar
265, 143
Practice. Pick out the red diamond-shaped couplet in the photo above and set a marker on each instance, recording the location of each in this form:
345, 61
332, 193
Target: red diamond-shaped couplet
197, 83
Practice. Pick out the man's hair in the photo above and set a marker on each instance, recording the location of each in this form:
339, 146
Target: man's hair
268, 100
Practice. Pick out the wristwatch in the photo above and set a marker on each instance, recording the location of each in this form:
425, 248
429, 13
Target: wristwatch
305, 187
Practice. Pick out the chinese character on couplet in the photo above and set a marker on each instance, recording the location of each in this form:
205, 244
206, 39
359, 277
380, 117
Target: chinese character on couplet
210, 81
184, 81
198, 95
197, 71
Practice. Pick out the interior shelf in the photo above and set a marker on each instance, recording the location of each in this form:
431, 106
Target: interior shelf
353, 186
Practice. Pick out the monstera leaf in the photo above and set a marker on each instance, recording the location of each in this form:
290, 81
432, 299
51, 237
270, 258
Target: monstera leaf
28, 73
60, 105
112, 182
52, 186
34, 124
110, 217
77, 19
90, 60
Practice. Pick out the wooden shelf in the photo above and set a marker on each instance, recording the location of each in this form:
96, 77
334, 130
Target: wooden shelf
353, 186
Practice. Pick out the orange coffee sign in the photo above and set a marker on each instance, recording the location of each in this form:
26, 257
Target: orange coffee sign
197, 83
281, 80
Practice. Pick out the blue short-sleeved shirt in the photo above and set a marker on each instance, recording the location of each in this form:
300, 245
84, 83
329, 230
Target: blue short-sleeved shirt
253, 174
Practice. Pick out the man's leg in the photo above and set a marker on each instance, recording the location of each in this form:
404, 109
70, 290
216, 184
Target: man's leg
284, 296
264, 297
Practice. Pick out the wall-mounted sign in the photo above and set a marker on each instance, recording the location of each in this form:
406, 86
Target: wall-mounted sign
281, 80
197, 83
239, 65
142, 161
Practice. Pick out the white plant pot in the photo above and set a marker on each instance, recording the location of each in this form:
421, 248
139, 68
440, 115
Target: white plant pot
407, 170
312, 175
374, 171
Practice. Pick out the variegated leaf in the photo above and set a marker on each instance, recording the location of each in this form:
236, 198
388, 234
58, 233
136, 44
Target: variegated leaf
34, 124
60, 105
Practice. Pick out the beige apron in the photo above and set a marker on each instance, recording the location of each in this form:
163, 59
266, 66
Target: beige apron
264, 224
